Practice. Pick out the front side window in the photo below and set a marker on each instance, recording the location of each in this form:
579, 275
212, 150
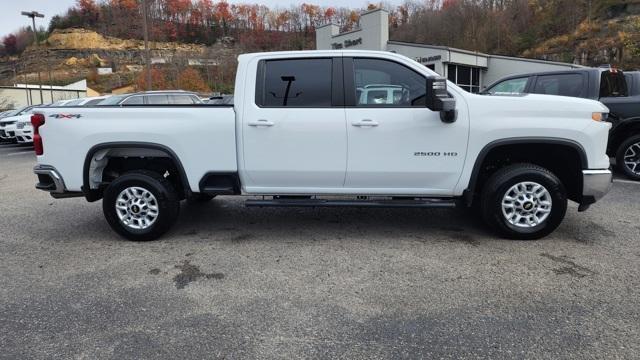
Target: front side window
511, 86
295, 83
386, 83
560, 84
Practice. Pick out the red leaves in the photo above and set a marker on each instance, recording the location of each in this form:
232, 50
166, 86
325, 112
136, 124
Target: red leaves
10, 43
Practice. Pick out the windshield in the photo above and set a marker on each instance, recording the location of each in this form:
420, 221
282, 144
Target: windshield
93, 102
113, 100
11, 113
73, 102
24, 110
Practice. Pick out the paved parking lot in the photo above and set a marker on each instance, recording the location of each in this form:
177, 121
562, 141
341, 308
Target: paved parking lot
232, 282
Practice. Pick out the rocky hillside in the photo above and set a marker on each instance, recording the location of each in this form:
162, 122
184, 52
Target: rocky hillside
73, 54
611, 37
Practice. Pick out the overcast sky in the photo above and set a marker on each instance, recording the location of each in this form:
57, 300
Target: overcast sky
10, 18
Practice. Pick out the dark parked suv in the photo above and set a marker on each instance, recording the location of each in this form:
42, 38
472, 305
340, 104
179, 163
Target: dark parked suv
619, 91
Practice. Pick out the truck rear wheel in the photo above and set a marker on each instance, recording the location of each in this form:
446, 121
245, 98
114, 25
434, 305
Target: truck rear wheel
628, 157
523, 202
141, 205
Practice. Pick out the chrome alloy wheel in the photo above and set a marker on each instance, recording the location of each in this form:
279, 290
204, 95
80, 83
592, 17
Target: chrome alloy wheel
137, 208
632, 158
526, 204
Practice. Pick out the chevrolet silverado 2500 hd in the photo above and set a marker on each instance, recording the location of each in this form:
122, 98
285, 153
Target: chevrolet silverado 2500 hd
332, 128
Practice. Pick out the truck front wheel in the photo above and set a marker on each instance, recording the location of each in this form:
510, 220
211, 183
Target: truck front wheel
141, 205
523, 202
628, 157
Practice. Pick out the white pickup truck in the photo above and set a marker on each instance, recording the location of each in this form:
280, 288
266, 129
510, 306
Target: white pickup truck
332, 128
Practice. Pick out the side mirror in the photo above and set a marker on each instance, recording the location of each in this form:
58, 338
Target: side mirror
438, 99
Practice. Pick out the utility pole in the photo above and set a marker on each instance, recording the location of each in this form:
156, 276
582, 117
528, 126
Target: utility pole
145, 28
33, 15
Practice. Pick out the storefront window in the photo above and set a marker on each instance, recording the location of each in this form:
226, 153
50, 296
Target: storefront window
468, 78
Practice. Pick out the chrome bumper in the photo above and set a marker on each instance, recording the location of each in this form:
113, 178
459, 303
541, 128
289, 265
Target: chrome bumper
49, 179
595, 185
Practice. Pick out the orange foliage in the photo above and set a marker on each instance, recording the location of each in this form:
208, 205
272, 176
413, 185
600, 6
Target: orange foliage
190, 79
158, 80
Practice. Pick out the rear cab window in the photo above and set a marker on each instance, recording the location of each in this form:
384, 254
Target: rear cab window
613, 84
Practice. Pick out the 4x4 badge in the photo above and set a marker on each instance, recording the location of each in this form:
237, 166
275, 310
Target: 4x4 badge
65, 116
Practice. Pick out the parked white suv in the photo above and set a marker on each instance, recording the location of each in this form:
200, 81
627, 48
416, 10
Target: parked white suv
8, 124
298, 134
160, 97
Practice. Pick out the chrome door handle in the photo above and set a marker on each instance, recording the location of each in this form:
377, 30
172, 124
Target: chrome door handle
261, 122
365, 123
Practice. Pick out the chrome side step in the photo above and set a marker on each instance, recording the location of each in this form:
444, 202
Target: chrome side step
293, 202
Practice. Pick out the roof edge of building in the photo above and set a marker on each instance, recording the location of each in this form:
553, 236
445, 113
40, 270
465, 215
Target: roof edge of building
470, 52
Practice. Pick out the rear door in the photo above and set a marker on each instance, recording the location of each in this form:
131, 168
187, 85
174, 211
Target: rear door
293, 129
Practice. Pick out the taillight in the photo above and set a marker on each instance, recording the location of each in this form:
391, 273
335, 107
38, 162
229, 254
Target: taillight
37, 120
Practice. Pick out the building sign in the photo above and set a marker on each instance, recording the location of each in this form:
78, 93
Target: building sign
424, 60
347, 43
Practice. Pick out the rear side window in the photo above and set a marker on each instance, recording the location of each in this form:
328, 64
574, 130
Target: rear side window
511, 86
157, 99
560, 84
613, 84
181, 99
295, 83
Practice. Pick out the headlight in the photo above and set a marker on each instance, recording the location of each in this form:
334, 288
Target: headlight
598, 116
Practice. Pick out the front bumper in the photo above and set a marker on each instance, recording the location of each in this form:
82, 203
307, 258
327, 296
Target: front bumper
595, 185
24, 136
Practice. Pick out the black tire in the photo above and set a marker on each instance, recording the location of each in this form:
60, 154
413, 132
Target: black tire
620, 160
200, 197
167, 200
502, 181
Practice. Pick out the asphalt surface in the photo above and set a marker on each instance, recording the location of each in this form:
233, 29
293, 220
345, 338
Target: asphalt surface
243, 283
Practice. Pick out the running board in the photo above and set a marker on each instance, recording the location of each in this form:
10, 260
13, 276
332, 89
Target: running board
423, 203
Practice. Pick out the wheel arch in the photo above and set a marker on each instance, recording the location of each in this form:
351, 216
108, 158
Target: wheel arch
627, 128
142, 149
484, 155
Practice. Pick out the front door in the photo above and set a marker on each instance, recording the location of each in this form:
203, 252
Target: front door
397, 145
294, 132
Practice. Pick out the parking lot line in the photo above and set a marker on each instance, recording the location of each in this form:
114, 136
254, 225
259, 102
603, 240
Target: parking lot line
19, 152
626, 181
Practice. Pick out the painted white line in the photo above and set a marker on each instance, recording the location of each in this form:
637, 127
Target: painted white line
626, 181
20, 153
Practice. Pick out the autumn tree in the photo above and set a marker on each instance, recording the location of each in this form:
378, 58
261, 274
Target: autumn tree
10, 43
191, 80
158, 80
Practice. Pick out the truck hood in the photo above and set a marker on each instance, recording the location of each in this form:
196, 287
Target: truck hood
534, 105
15, 118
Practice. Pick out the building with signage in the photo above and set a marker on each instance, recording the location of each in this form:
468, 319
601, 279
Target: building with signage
470, 70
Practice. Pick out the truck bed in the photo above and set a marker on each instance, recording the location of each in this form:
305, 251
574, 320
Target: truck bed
201, 136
